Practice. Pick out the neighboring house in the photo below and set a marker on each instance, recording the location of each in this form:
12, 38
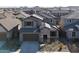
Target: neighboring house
49, 18
60, 11
8, 27
19, 15
71, 25
34, 28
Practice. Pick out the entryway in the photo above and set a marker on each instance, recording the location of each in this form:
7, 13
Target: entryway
45, 38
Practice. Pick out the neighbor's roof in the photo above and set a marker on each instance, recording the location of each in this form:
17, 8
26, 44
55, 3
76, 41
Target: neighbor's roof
25, 14
37, 16
73, 15
2, 15
60, 11
44, 15
20, 16
34, 15
50, 15
9, 22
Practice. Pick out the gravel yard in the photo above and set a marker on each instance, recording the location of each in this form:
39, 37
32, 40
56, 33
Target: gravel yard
56, 46
74, 47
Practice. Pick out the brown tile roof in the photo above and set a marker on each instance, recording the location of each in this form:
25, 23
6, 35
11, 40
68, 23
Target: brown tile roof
2, 15
9, 22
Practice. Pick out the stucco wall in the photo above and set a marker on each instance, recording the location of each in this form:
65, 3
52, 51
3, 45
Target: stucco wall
67, 22
9, 34
45, 31
77, 34
69, 34
36, 22
2, 29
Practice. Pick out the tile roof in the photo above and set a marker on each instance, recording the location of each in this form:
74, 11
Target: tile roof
9, 22
73, 15
44, 15
2, 15
20, 16
34, 15
37, 16
25, 14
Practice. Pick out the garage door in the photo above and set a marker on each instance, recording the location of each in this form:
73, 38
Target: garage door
30, 37
2, 36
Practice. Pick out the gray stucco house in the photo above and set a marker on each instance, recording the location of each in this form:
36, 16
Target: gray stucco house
70, 24
9, 26
34, 28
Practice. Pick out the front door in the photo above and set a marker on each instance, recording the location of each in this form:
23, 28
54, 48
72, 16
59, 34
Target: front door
45, 38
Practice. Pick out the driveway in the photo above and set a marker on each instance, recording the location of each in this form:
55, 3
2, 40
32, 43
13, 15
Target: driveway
2, 43
3, 48
29, 47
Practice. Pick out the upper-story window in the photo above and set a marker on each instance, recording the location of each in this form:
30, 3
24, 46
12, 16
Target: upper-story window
73, 34
51, 21
69, 20
28, 23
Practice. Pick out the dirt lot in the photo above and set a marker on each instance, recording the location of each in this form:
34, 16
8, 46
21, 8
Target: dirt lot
54, 47
74, 47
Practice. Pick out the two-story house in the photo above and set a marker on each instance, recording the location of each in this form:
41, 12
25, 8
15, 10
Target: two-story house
9, 26
34, 28
30, 29
49, 18
70, 24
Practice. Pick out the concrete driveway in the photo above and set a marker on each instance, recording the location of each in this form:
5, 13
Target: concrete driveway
2, 43
29, 47
3, 48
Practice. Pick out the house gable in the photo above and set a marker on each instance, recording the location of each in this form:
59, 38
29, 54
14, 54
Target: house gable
33, 20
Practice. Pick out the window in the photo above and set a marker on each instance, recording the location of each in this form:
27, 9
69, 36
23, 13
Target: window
69, 20
45, 37
73, 34
51, 20
28, 23
57, 22
52, 33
